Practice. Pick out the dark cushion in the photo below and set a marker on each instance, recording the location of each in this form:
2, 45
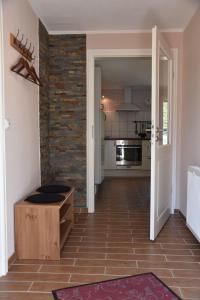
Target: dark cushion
54, 189
45, 198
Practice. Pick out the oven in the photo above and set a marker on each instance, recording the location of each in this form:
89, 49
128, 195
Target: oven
128, 152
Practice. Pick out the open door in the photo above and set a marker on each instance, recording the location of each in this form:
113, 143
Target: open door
161, 148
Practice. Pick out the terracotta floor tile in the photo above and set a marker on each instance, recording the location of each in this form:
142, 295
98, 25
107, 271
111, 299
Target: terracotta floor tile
112, 243
24, 268
83, 255
80, 278
191, 240
149, 246
138, 257
170, 240
163, 251
47, 287
106, 262
184, 258
145, 241
35, 277
133, 271
191, 293
72, 269
86, 244
180, 246
169, 265
183, 282
196, 251
25, 296
186, 273
14, 286
105, 250
69, 262
70, 249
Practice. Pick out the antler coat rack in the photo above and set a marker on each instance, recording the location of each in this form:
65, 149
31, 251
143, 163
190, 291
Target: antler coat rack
23, 67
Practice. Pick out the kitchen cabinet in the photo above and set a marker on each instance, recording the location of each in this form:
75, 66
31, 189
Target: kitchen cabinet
110, 154
146, 155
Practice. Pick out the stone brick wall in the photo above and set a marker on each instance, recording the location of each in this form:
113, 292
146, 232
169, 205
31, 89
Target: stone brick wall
44, 103
66, 77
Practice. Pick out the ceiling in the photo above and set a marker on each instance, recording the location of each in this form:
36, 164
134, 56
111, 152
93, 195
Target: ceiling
114, 15
122, 72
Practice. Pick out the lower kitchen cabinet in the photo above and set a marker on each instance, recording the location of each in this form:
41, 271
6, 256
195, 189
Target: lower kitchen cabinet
146, 155
146, 163
110, 154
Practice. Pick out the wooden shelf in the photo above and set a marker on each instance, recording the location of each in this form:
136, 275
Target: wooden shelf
64, 232
42, 229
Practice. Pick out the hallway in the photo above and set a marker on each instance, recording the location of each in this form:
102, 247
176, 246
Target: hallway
110, 243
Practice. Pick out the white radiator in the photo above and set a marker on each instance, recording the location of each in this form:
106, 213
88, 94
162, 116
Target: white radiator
193, 200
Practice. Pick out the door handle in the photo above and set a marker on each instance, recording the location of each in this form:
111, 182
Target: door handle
158, 131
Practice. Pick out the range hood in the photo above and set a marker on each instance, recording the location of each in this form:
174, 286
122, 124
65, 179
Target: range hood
128, 105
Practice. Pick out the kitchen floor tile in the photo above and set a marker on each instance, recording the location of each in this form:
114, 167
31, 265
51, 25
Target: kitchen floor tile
112, 243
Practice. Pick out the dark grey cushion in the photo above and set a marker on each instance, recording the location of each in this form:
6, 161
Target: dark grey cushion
45, 198
54, 189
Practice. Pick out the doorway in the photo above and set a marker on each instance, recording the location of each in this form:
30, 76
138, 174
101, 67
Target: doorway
102, 53
92, 55
122, 130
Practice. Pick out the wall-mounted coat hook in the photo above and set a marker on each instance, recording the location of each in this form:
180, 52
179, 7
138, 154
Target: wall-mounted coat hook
32, 50
29, 47
22, 67
20, 46
22, 38
34, 57
26, 43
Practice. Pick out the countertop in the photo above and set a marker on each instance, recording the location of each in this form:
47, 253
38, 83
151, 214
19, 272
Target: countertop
126, 138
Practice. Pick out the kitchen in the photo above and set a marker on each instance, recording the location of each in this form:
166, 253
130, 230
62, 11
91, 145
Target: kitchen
124, 90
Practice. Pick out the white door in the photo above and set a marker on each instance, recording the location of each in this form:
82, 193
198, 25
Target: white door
161, 148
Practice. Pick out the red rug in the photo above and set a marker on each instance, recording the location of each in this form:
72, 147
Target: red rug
139, 287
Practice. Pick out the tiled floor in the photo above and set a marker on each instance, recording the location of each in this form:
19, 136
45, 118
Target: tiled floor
113, 242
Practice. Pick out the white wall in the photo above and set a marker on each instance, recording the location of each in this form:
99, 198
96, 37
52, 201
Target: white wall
121, 124
190, 142
22, 109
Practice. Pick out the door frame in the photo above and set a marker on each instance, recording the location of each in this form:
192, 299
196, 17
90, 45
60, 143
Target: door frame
3, 206
93, 54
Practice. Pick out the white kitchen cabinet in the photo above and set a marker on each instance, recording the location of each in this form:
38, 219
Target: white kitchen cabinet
146, 163
109, 154
146, 155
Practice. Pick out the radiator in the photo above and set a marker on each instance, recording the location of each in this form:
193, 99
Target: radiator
193, 200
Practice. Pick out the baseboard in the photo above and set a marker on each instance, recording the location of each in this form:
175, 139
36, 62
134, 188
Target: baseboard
12, 259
